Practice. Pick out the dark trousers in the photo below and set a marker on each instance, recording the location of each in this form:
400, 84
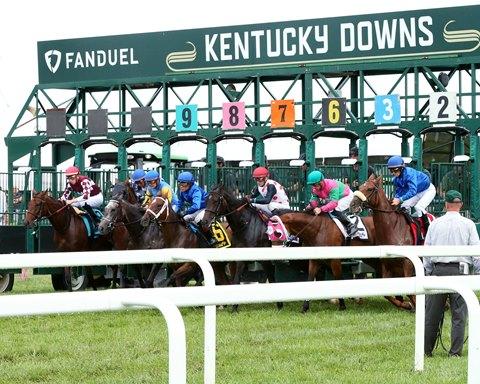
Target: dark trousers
434, 309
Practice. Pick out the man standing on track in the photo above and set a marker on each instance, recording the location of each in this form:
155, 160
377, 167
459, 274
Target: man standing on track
450, 229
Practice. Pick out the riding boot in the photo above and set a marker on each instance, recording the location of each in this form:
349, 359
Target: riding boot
349, 226
426, 222
91, 213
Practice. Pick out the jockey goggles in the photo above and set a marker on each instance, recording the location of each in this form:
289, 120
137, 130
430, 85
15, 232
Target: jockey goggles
395, 170
263, 178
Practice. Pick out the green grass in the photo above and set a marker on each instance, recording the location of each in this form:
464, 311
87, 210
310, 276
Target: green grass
368, 343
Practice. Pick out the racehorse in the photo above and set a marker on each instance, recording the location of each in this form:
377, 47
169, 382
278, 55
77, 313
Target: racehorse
70, 234
392, 227
248, 228
176, 234
122, 220
321, 230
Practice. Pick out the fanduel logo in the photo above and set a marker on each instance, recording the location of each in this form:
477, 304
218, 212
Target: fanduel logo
53, 59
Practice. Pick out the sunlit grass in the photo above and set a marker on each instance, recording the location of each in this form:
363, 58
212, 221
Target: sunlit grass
368, 343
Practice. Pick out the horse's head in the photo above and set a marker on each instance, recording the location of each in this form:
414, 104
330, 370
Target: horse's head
368, 195
124, 190
159, 211
111, 214
216, 205
36, 209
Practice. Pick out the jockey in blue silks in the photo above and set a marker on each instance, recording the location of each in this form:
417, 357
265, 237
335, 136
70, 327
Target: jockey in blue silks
139, 186
192, 198
159, 187
413, 188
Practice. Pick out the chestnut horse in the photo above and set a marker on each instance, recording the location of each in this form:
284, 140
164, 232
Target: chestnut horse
392, 227
176, 234
321, 230
70, 234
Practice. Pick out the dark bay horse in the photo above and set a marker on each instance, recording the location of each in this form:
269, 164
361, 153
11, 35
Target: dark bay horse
248, 228
392, 227
122, 218
69, 233
176, 234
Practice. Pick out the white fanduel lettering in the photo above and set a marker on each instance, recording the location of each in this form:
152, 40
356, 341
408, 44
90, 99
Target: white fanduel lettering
347, 37
302, 40
124, 56
68, 59
365, 38
90, 59
241, 46
225, 46
273, 52
100, 58
289, 51
322, 39
385, 34
209, 52
257, 35
407, 33
78, 60
427, 40
112, 57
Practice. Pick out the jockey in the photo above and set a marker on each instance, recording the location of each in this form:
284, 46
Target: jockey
330, 196
138, 183
268, 195
412, 188
158, 187
89, 194
192, 198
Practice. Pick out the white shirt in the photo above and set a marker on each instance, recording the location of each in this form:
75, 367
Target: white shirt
451, 229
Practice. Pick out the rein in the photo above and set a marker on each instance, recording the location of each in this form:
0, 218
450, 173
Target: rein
49, 214
166, 208
366, 204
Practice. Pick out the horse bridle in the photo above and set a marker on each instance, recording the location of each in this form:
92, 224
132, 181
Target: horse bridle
41, 205
365, 200
216, 212
165, 207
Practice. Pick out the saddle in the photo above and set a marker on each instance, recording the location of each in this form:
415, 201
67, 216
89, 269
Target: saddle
89, 222
217, 237
417, 226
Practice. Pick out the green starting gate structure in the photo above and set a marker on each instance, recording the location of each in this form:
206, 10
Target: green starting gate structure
407, 74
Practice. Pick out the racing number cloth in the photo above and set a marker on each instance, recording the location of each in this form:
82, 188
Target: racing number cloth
220, 235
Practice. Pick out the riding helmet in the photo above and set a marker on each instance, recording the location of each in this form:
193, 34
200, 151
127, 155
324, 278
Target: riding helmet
71, 171
152, 175
186, 177
314, 177
395, 162
138, 175
260, 172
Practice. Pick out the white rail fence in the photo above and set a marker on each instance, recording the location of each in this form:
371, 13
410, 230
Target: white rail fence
167, 300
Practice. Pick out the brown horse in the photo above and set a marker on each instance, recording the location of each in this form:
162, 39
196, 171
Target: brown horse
321, 230
121, 221
69, 234
392, 227
176, 234
248, 228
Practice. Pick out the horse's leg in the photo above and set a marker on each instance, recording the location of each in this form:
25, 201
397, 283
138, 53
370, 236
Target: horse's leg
220, 275
123, 280
386, 273
183, 274
269, 269
313, 267
67, 271
151, 276
138, 274
90, 278
336, 267
114, 275
240, 267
